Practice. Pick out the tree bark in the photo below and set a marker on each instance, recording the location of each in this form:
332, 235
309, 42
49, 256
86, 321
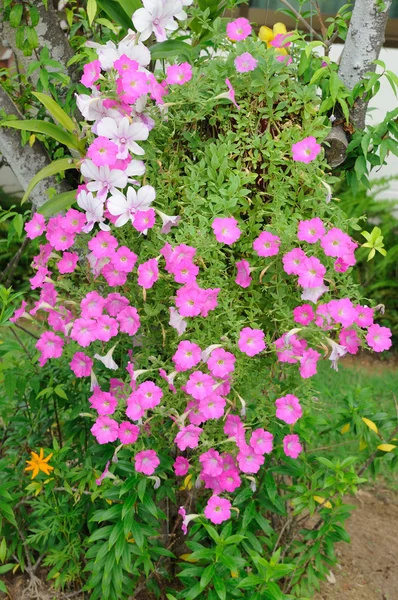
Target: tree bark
25, 161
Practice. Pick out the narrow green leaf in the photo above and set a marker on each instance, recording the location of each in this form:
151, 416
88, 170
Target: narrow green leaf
36, 126
169, 48
57, 166
91, 11
56, 111
58, 203
115, 11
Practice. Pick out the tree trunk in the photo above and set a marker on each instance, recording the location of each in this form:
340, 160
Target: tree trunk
365, 38
25, 161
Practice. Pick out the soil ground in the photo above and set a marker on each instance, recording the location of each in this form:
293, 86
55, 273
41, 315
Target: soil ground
367, 569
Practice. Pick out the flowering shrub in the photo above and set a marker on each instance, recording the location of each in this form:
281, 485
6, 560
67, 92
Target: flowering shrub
202, 275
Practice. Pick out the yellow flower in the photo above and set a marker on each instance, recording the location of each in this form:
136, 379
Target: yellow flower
39, 463
266, 34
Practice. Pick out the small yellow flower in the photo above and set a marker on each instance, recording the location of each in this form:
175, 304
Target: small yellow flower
266, 34
39, 463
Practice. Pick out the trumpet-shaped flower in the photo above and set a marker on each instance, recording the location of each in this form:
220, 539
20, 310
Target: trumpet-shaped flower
306, 150
105, 430
146, 462
124, 134
157, 16
292, 446
251, 341
125, 207
245, 62
267, 244
179, 74
288, 409
226, 230
239, 29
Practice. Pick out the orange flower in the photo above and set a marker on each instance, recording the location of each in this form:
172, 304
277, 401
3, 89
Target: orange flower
39, 463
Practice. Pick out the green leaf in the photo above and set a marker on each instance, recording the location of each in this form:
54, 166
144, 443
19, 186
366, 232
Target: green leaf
60, 392
17, 223
6, 568
207, 576
219, 586
193, 592
56, 111
250, 582
53, 131
91, 11
130, 6
169, 48
58, 203
137, 534
7, 512
3, 588
317, 75
115, 11
57, 166
16, 15
334, 85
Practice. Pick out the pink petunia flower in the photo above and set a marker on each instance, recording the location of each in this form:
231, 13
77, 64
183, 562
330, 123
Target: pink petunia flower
226, 230
306, 150
128, 433
343, 311
217, 510
74, 221
308, 363
243, 277
336, 243
185, 271
148, 394
105, 430
292, 446
146, 462
50, 346
91, 73
57, 236
35, 227
92, 305
199, 385
379, 338
212, 406
221, 362
103, 152
281, 41
267, 244
113, 275
311, 231
115, 303
249, 461
19, 312
251, 341
103, 245
349, 338
83, 332
364, 316
187, 356
211, 462
311, 273
81, 364
293, 260
190, 300
178, 74
144, 220
210, 300
176, 321
124, 259
303, 314
239, 29
181, 466
288, 409
230, 480
134, 410
188, 437
261, 441
106, 328
129, 320
148, 273
245, 62
103, 402
68, 262
231, 93
289, 348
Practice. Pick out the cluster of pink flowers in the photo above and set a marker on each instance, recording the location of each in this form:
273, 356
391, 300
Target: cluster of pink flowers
111, 197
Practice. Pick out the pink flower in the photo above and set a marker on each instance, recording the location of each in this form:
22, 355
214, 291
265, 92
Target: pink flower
210, 301
284, 59
178, 74
306, 150
226, 230
199, 385
261, 441
245, 62
230, 480
293, 260
349, 338
187, 356
148, 394
146, 462
185, 271
68, 262
221, 363
289, 348
239, 29
188, 437
124, 259
134, 410
212, 407
280, 41
91, 72
105, 430
169, 379
231, 93
292, 446
288, 409
343, 311
243, 277
234, 427
190, 300
103, 152
83, 332
311, 231
176, 321
364, 316
249, 461
103, 245
115, 303
194, 415
129, 320
313, 294
57, 236
19, 312
81, 364
211, 462
303, 314
266, 244
128, 433
378, 338
311, 273
144, 220
35, 227
217, 509
181, 466
131, 85
51, 345
74, 221
103, 402
113, 275
308, 362
106, 328
251, 341
148, 273
92, 305
336, 243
